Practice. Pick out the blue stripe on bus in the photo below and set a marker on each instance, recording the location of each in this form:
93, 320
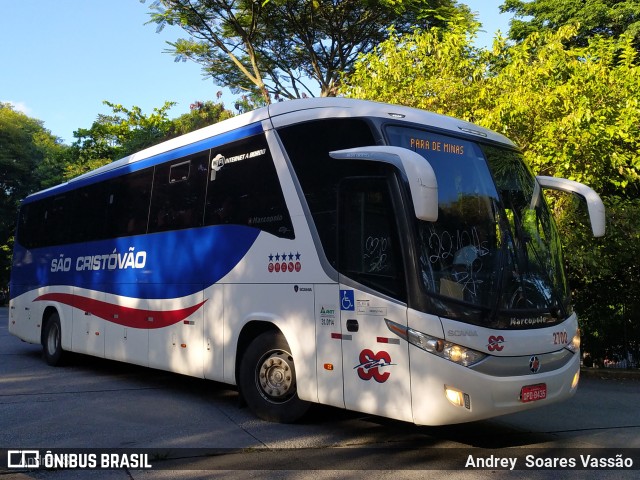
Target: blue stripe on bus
157, 266
207, 143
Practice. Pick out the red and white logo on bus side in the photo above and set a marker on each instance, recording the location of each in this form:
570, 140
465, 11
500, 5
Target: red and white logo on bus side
370, 363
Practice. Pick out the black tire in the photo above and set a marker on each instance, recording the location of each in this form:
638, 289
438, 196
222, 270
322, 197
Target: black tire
52, 341
267, 380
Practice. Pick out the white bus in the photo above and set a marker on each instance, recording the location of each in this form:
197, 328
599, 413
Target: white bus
367, 256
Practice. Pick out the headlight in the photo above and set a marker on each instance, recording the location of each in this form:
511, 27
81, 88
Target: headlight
437, 346
574, 346
462, 355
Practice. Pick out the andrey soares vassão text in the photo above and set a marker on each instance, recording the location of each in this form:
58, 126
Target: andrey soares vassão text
583, 461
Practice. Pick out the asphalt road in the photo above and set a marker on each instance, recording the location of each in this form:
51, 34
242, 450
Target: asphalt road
191, 428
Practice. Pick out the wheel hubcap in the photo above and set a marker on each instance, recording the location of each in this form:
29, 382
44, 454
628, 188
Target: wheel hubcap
275, 375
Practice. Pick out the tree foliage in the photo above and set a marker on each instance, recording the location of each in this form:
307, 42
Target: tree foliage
25, 146
605, 276
116, 135
128, 130
275, 48
200, 115
575, 113
437, 70
606, 18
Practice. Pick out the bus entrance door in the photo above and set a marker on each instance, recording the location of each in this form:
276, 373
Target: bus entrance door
375, 361
372, 289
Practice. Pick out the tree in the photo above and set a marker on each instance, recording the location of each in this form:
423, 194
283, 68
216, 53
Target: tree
274, 48
200, 115
608, 18
574, 111
128, 130
605, 275
25, 145
437, 70
117, 135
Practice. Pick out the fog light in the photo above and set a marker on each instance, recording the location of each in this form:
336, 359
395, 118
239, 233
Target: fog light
454, 396
457, 398
576, 379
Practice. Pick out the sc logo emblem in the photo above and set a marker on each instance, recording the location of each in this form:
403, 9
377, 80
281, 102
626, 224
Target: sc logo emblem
496, 343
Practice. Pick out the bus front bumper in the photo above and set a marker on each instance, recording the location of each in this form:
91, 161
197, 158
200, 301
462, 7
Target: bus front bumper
443, 392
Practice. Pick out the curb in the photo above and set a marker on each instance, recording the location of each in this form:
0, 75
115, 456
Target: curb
610, 373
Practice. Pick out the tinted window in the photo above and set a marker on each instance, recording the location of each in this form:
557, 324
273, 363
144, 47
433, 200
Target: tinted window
308, 146
114, 208
89, 220
458, 252
31, 224
240, 185
127, 203
178, 193
369, 243
43, 223
244, 188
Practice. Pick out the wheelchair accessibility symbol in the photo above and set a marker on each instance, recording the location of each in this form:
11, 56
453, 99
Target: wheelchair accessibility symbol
347, 300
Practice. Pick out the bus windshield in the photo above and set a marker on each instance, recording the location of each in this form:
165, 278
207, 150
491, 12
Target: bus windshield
493, 257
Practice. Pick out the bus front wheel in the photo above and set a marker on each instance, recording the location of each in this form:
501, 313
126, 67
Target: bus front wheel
268, 380
52, 341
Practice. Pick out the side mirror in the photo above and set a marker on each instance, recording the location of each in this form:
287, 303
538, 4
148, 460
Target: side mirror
422, 179
594, 203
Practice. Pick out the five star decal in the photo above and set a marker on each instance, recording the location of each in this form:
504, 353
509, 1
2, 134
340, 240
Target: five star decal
284, 262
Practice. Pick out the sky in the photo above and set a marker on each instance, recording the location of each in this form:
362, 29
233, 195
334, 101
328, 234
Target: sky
60, 59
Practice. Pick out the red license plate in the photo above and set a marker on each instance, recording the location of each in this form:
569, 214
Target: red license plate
533, 393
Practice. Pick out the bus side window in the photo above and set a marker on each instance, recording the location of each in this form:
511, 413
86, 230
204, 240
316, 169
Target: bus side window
244, 189
31, 225
90, 207
178, 193
59, 209
41, 223
368, 245
308, 145
126, 203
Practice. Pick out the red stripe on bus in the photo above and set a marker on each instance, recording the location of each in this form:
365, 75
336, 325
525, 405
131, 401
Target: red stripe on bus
126, 316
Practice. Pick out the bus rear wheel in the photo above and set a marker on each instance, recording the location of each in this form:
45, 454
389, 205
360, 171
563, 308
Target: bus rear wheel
52, 341
268, 380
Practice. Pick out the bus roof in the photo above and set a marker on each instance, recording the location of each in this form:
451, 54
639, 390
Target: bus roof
289, 112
